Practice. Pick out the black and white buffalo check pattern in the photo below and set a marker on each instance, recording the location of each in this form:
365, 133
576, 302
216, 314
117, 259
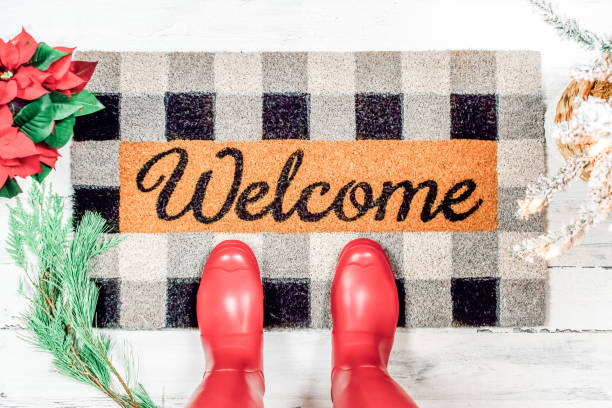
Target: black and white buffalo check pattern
443, 278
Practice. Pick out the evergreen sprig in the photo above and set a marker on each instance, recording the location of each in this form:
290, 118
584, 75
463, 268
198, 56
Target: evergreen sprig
60, 318
570, 29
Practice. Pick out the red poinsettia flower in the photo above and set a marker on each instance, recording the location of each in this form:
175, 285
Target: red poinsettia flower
69, 76
16, 79
19, 156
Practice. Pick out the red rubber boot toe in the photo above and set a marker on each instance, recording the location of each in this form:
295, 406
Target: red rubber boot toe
364, 308
230, 317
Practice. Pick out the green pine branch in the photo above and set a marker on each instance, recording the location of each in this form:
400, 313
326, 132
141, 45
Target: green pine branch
570, 29
56, 261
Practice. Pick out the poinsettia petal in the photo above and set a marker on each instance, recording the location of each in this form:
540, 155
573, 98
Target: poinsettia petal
29, 83
8, 91
60, 67
3, 175
10, 162
26, 45
68, 81
9, 55
43, 148
84, 70
49, 161
22, 80
6, 117
48, 155
50, 83
14, 144
7, 136
32, 91
33, 73
27, 166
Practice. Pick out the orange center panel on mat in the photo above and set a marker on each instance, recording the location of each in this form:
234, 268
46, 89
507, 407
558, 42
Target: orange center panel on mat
308, 186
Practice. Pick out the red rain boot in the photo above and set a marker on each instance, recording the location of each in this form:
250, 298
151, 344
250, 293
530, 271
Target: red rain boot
364, 308
230, 316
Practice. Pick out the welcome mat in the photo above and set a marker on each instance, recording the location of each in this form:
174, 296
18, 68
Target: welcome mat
298, 153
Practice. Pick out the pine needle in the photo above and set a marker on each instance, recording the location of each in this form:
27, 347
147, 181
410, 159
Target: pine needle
56, 261
570, 29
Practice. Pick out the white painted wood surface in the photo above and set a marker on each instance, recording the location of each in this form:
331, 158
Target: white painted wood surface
439, 368
450, 368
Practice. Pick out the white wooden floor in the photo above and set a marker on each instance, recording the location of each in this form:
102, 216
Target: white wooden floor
439, 368
567, 363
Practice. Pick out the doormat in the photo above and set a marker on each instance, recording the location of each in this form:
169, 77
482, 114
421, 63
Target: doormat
296, 154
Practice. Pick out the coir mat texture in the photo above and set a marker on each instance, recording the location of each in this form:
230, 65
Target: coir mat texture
298, 153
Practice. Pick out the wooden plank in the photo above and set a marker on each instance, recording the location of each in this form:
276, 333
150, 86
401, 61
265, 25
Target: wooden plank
439, 368
579, 298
